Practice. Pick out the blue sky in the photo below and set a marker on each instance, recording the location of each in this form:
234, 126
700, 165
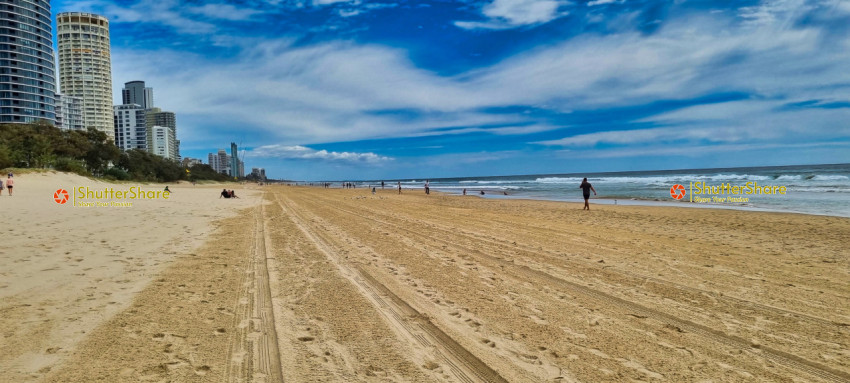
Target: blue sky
335, 89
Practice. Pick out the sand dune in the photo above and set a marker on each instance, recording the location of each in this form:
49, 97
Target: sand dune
341, 285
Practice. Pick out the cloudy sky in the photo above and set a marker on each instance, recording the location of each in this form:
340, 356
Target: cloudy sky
359, 89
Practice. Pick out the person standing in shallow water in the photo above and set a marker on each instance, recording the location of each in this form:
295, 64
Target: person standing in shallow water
586, 187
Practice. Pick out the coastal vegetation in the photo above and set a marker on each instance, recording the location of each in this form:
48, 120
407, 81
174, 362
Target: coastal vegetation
89, 153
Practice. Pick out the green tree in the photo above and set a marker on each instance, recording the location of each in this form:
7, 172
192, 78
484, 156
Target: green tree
100, 153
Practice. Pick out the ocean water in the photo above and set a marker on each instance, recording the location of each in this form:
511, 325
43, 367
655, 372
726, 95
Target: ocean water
811, 189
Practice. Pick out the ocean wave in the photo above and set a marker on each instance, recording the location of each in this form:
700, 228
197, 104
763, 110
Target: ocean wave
830, 178
485, 187
558, 180
493, 182
788, 178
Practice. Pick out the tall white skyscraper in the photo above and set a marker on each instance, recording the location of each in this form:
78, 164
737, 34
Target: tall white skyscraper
130, 127
69, 112
164, 142
85, 68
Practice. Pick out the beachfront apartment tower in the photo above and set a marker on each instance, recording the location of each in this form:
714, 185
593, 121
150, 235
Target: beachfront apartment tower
135, 92
69, 112
85, 68
220, 162
130, 127
234, 160
27, 73
159, 117
164, 142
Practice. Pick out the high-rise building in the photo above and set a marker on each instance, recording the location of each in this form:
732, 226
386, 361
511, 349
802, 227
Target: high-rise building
220, 162
158, 117
69, 112
135, 92
212, 160
259, 173
130, 127
85, 69
27, 74
234, 160
223, 162
163, 142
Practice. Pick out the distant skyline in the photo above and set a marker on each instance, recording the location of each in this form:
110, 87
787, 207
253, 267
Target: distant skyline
331, 89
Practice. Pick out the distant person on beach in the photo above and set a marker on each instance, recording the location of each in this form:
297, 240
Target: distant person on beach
399, 187
233, 194
166, 189
10, 183
382, 185
427, 187
224, 193
482, 192
373, 190
464, 191
586, 187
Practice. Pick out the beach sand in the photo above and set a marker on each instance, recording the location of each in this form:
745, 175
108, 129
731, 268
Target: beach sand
308, 284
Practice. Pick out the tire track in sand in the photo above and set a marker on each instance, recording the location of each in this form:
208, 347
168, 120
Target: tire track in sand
787, 359
253, 355
455, 231
463, 364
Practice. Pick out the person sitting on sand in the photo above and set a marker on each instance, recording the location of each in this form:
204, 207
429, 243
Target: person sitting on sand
166, 189
224, 193
586, 187
233, 194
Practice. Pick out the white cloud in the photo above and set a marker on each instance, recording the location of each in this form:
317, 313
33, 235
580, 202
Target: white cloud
332, 92
348, 12
504, 14
750, 121
329, 2
602, 2
224, 12
304, 153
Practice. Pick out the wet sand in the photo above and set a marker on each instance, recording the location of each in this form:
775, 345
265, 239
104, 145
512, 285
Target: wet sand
340, 285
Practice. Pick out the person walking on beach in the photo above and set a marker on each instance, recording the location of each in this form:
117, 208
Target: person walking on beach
427, 187
10, 183
586, 187
399, 187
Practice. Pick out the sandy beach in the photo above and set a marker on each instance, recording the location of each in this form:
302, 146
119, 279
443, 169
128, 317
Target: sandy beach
303, 284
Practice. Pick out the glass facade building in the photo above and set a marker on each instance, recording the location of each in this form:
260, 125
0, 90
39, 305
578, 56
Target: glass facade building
27, 73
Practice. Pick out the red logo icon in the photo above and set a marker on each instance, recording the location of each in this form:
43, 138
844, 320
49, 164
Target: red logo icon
60, 196
677, 191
